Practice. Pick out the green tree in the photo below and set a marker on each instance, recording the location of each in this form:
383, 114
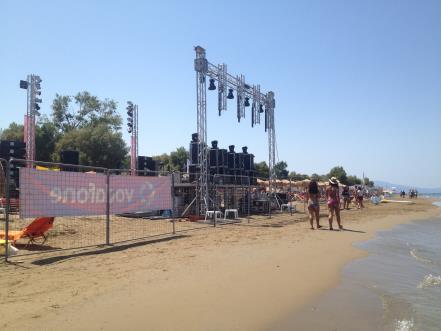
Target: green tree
353, 180
98, 146
339, 173
84, 110
296, 176
262, 170
46, 138
13, 132
91, 126
178, 159
368, 182
164, 162
280, 170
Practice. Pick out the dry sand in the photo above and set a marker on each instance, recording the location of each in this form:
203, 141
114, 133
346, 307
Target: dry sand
233, 277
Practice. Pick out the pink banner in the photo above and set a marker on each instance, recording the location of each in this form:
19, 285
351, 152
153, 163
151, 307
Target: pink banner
54, 193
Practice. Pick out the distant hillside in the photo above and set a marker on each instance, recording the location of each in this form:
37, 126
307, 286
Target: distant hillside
406, 188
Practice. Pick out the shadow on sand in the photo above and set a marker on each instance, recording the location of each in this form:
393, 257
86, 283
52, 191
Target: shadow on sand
100, 250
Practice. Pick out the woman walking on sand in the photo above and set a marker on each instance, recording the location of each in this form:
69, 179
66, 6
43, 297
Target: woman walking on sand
332, 195
346, 197
312, 197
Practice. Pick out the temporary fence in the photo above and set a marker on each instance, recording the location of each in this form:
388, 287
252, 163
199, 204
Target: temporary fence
52, 206
231, 198
57, 206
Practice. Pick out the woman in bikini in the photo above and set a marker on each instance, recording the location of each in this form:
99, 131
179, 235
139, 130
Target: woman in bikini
333, 197
313, 196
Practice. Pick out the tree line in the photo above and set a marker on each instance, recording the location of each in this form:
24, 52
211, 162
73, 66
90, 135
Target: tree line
282, 172
89, 125
94, 128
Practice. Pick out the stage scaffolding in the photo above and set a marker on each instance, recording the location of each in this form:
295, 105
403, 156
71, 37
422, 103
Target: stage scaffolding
261, 103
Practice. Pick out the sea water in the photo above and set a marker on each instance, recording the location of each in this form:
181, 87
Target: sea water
404, 270
396, 287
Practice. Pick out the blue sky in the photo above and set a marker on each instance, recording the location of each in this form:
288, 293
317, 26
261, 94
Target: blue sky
357, 83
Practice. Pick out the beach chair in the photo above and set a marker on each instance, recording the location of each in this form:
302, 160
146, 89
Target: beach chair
37, 229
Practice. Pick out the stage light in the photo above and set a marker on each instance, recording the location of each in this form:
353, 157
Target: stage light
130, 109
212, 87
230, 94
247, 102
23, 84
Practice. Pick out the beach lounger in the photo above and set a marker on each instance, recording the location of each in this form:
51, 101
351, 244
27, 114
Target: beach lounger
37, 229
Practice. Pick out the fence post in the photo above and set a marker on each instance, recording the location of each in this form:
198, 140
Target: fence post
173, 201
108, 207
8, 169
215, 199
290, 197
249, 199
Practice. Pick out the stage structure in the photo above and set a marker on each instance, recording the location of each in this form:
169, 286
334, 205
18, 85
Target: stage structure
132, 128
33, 87
227, 84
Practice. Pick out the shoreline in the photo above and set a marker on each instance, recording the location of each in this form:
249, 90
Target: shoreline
364, 308
238, 277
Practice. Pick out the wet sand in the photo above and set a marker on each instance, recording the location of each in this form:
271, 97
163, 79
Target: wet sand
233, 277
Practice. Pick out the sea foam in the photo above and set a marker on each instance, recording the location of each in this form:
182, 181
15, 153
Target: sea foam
430, 281
414, 254
404, 325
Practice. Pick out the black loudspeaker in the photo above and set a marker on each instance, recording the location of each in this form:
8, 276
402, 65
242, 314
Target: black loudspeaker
70, 157
239, 161
147, 166
248, 162
193, 172
194, 152
12, 148
223, 158
195, 137
213, 157
17, 150
231, 158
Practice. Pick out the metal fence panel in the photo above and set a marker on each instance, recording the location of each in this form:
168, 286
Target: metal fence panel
150, 213
67, 231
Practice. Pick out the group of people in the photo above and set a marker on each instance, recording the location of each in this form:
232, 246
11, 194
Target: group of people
333, 201
332, 192
413, 193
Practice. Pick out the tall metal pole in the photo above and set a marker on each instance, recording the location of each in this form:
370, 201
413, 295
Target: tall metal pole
31, 113
134, 141
201, 67
270, 105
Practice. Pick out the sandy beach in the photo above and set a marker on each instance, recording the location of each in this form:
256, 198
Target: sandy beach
244, 276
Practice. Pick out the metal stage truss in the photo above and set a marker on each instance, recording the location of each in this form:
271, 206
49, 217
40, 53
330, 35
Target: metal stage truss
227, 84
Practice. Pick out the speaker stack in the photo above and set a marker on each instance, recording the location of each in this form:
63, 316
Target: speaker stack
231, 157
248, 166
235, 166
13, 149
194, 168
70, 157
217, 161
147, 166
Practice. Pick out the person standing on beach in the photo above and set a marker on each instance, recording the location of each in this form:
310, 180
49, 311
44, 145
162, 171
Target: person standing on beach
312, 197
333, 197
360, 194
346, 197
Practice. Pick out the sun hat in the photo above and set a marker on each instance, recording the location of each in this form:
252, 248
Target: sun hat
333, 181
